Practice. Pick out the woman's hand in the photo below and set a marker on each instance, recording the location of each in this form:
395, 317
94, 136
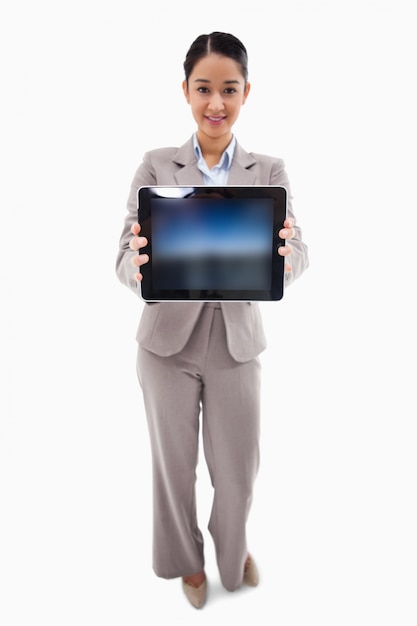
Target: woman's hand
135, 244
286, 233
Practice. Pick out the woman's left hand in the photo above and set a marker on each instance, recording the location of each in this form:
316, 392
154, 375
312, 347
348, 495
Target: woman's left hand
286, 233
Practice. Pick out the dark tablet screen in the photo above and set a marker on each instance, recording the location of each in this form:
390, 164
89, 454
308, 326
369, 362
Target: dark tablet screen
212, 243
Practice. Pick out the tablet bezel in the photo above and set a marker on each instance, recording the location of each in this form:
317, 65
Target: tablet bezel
279, 196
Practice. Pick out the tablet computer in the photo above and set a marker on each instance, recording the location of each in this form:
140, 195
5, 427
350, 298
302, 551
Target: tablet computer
212, 243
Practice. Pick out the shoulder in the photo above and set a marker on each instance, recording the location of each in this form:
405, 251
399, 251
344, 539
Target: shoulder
183, 154
267, 159
270, 168
160, 165
153, 163
160, 155
264, 161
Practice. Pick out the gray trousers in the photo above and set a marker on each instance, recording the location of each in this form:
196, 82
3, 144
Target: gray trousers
202, 378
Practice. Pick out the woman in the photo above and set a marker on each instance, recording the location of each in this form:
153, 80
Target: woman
204, 355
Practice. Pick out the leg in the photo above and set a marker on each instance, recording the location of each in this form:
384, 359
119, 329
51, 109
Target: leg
171, 394
231, 405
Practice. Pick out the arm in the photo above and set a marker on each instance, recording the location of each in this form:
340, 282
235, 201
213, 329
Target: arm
129, 243
296, 252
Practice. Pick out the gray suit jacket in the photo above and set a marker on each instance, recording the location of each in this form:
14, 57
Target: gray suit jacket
165, 327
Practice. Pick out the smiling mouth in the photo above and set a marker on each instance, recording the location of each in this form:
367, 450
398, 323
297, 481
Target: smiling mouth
215, 120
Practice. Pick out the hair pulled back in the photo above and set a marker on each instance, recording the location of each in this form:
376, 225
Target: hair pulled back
218, 43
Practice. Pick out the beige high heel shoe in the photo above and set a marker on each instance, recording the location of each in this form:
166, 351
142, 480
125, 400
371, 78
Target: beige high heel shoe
195, 595
251, 574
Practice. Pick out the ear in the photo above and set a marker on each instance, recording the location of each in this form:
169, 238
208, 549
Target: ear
246, 93
185, 90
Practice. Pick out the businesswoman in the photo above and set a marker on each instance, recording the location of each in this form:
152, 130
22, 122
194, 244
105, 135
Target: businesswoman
203, 357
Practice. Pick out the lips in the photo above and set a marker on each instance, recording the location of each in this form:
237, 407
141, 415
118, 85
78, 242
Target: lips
215, 120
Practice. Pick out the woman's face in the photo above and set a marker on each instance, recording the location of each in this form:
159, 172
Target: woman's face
216, 90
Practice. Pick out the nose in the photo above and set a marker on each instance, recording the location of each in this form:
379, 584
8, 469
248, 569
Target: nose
216, 102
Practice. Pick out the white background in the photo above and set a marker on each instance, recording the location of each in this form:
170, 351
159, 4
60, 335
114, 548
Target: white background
87, 88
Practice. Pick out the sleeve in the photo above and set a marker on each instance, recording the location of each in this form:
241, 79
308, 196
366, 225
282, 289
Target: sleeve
299, 257
145, 175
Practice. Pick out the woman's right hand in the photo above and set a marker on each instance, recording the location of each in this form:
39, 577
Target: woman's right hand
135, 244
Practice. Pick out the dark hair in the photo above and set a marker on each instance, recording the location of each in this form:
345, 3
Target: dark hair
219, 43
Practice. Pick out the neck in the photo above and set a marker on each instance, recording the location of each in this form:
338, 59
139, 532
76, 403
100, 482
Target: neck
213, 148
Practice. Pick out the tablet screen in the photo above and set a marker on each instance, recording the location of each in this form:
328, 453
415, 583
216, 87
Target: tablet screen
212, 243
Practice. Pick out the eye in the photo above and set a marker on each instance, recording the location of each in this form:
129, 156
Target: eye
203, 90
230, 90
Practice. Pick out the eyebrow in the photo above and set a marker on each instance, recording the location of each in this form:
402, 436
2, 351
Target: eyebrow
226, 82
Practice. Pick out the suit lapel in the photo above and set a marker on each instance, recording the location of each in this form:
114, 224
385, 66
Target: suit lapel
239, 175
189, 174
240, 172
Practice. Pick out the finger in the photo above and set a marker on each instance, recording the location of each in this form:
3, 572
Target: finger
287, 267
138, 277
135, 229
137, 242
288, 223
139, 259
284, 250
287, 233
